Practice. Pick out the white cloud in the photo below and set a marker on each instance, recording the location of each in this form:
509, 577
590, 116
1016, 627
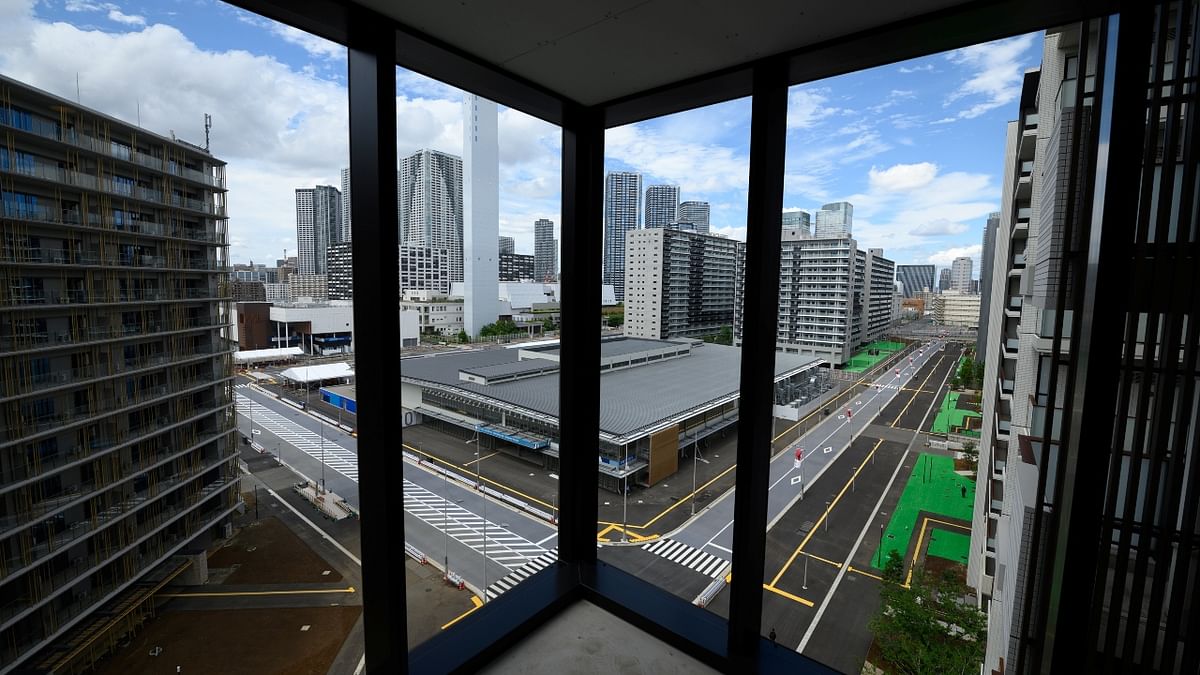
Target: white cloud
118, 16
316, 46
947, 256
916, 69
82, 6
902, 177
939, 227
806, 108
697, 168
996, 71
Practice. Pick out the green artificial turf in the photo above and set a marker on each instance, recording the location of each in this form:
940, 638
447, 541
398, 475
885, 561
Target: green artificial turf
863, 360
932, 487
952, 546
949, 417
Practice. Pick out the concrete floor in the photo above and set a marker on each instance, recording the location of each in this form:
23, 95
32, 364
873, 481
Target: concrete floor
586, 639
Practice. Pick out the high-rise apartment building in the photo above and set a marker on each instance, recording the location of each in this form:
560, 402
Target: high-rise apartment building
318, 226
545, 251
516, 267
481, 213
345, 232
990, 231
312, 286
507, 245
116, 436
679, 283
797, 220
340, 275
833, 297
944, 282
834, 220
696, 213
915, 278
662, 205
430, 190
622, 203
960, 274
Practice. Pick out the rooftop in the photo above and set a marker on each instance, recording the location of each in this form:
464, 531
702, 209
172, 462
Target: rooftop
635, 400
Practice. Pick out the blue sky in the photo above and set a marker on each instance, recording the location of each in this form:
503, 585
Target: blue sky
916, 147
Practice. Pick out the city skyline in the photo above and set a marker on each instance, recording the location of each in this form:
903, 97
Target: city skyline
912, 145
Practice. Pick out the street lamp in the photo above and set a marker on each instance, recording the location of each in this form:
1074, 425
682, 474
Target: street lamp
625, 496
695, 461
879, 554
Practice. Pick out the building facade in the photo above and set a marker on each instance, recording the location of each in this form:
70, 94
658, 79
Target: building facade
507, 245
318, 226
340, 277
345, 233
797, 220
622, 204
678, 283
312, 286
990, 231
956, 309
915, 279
545, 251
696, 213
960, 274
481, 213
438, 314
516, 267
880, 310
425, 269
944, 283
662, 205
113, 343
430, 190
834, 220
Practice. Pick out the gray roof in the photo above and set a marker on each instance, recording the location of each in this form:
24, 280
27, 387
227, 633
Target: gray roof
625, 345
511, 368
632, 399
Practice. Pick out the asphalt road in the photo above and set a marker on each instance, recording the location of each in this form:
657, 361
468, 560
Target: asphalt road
791, 479
479, 538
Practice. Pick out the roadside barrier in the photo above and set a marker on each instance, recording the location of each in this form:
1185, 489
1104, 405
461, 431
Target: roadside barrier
455, 580
706, 596
414, 553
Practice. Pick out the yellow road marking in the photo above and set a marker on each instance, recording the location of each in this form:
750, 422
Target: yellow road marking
917, 552
480, 459
817, 525
238, 594
667, 510
824, 560
947, 524
474, 601
914, 397
484, 478
864, 573
789, 596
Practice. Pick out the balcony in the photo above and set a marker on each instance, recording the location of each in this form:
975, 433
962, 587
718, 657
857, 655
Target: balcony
41, 341
97, 521
54, 257
52, 173
139, 226
54, 132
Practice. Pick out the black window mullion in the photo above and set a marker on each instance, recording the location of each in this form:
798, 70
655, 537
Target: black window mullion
579, 373
764, 206
372, 92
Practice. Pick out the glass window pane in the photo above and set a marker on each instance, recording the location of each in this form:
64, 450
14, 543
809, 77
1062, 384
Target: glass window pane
674, 252
478, 201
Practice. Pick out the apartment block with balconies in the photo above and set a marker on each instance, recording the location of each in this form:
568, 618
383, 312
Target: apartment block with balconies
116, 406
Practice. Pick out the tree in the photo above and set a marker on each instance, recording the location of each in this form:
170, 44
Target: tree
931, 627
725, 337
548, 325
971, 454
893, 569
463, 337
615, 320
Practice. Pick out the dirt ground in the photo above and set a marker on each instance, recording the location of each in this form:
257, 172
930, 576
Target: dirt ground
432, 603
268, 552
259, 641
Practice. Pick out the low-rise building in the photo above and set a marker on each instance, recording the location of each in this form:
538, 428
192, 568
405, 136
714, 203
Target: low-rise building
311, 286
438, 314
318, 328
956, 309
516, 267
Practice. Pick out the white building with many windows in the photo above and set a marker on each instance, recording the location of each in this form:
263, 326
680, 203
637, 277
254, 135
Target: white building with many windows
678, 283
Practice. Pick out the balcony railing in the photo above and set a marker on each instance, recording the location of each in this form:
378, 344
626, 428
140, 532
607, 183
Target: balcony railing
54, 131
48, 214
56, 174
49, 256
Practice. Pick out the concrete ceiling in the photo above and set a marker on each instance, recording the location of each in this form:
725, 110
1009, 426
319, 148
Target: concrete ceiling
593, 52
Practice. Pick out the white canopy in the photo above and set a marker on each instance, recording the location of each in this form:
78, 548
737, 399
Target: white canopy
319, 373
258, 355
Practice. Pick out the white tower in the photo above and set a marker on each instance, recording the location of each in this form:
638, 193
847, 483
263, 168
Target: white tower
481, 214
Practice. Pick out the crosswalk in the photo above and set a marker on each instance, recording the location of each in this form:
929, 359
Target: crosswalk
309, 442
691, 558
522, 573
494, 540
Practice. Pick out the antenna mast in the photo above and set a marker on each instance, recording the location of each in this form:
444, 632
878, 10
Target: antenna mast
207, 126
